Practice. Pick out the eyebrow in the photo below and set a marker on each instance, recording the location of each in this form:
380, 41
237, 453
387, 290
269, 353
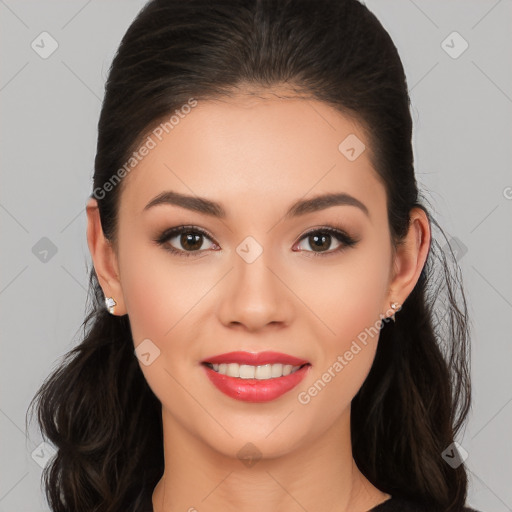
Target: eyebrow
214, 209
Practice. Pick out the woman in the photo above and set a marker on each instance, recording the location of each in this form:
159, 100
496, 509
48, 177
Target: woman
263, 334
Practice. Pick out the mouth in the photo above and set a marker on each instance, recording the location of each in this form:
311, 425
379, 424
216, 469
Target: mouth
259, 372
255, 377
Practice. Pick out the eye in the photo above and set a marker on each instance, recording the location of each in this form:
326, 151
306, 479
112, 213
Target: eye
191, 238
321, 238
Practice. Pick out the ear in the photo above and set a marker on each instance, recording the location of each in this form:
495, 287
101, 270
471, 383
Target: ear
410, 257
104, 258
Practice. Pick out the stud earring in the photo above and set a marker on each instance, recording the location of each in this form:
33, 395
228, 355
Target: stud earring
110, 303
395, 306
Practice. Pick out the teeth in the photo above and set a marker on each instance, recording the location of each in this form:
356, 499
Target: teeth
246, 371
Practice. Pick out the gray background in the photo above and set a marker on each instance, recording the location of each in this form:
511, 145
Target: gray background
50, 109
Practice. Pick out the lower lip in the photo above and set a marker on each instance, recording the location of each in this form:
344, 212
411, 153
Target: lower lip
256, 390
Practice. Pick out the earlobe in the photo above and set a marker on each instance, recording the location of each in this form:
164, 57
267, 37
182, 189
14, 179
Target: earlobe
104, 259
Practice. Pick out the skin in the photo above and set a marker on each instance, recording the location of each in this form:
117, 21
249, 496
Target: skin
256, 156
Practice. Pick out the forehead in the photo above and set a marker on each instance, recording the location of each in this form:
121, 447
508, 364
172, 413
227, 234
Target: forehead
263, 148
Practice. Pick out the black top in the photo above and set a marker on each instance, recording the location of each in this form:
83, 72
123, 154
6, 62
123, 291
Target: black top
394, 505
403, 505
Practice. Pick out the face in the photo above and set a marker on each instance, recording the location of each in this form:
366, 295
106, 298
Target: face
257, 278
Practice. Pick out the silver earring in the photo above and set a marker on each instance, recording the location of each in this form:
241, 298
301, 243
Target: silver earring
110, 303
395, 306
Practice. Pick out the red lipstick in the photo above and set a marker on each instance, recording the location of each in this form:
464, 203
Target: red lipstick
255, 359
252, 389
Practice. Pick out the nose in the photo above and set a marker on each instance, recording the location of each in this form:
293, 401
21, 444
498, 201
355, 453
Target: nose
255, 295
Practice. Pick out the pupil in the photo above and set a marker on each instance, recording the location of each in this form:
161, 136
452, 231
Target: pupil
187, 238
323, 238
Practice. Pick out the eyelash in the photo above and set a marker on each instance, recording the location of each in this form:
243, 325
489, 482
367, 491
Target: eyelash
346, 240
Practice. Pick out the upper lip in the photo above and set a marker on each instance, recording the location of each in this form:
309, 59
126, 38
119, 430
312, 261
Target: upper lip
255, 359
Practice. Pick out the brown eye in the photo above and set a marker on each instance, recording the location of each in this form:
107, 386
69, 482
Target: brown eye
320, 241
186, 240
191, 241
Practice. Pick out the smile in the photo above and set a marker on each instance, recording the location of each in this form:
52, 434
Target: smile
247, 371
261, 387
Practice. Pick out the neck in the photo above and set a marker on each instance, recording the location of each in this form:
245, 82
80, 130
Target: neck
318, 476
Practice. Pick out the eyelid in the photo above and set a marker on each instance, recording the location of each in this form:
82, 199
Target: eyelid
166, 235
338, 232
333, 230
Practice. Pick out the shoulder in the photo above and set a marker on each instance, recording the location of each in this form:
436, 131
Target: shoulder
396, 504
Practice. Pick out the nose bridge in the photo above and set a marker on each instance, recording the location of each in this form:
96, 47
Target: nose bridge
255, 296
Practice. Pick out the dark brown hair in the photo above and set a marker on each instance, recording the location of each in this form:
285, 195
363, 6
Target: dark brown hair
98, 410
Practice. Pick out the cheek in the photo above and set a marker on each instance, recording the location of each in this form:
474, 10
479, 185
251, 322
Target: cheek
328, 395
349, 302
365, 291
160, 298
159, 294
346, 298
351, 309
